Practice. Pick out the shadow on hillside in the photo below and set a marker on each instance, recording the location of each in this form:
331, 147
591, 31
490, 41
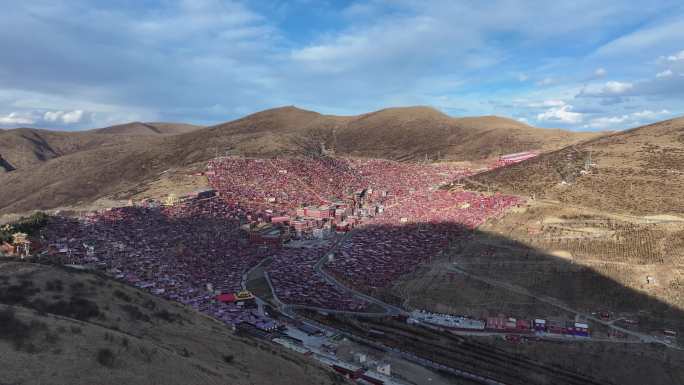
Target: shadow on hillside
477, 257
6, 165
487, 275
41, 147
472, 254
195, 237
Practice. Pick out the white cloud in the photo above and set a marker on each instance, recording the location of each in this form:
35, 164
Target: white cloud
617, 88
553, 103
361, 10
546, 82
372, 54
331, 57
15, 118
373, 48
665, 74
547, 103
72, 117
607, 121
626, 120
52, 116
679, 56
65, 117
612, 88
562, 114
646, 41
648, 114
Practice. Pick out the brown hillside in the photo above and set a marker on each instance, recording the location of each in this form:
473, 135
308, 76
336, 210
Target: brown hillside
638, 171
408, 133
27, 147
154, 128
419, 132
79, 177
400, 133
71, 327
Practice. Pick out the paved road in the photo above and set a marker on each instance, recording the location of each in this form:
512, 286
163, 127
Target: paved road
389, 309
288, 309
243, 282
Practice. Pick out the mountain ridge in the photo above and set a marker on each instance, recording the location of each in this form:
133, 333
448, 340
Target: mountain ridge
86, 166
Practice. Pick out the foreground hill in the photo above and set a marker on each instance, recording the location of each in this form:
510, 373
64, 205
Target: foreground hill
123, 166
70, 327
638, 171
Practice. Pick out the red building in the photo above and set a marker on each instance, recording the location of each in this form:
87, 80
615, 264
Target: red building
505, 160
282, 219
348, 372
496, 323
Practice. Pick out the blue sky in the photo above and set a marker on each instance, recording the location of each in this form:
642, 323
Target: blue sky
582, 65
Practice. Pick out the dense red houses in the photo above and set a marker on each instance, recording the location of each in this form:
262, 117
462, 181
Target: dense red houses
197, 249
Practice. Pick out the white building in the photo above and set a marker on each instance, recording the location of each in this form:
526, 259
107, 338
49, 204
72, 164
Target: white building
384, 368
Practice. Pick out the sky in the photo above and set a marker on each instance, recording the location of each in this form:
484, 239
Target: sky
580, 65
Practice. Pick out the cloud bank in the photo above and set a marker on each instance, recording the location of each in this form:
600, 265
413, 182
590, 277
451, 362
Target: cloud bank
78, 64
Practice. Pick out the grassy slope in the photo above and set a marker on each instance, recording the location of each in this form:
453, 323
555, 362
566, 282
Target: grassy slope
145, 340
28, 147
639, 171
153, 128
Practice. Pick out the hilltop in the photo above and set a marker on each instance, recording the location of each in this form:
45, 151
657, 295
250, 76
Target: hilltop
122, 165
152, 128
639, 171
405, 133
417, 132
72, 327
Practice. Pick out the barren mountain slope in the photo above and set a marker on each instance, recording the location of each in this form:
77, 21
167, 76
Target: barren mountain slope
81, 177
27, 147
419, 132
408, 133
72, 327
638, 171
400, 133
153, 128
